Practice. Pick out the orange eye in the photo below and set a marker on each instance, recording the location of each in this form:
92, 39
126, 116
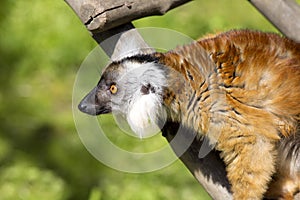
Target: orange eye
113, 89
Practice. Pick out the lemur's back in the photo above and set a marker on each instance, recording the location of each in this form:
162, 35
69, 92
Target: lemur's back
261, 73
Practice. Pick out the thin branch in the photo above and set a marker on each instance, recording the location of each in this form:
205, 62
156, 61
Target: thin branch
283, 14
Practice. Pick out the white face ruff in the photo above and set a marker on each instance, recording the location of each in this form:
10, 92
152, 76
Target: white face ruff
143, 115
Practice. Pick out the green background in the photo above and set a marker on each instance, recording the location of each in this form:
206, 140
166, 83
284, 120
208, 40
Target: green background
42, 44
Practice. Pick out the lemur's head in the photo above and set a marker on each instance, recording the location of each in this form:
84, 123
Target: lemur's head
132, 87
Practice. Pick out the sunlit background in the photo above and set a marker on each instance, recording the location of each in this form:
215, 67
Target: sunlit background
42, 44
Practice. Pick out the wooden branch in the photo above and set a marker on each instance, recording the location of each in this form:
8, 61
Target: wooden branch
100, 15
283, 14
209, 170
113, 18
122, 40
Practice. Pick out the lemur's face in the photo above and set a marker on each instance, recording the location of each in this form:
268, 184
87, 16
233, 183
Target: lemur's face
131, 87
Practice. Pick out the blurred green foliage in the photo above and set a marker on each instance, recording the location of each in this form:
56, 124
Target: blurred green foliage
42, 44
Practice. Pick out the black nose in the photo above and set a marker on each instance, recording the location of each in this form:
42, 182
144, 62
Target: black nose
87, 108
82, 107
88, 103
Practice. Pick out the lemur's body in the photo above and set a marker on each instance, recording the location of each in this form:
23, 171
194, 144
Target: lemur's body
241, 89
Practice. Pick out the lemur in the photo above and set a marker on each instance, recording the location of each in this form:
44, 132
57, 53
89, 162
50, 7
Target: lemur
240, 89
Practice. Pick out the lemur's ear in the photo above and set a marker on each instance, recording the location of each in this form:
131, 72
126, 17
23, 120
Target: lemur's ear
95, 103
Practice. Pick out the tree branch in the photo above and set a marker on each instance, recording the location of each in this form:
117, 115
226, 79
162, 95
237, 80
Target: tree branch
99, 15
209, 170
283, 14
121, 40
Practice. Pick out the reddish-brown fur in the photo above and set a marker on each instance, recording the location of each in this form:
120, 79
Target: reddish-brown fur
248, 104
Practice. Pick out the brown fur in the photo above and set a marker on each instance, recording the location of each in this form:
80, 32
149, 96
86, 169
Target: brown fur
247, 101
